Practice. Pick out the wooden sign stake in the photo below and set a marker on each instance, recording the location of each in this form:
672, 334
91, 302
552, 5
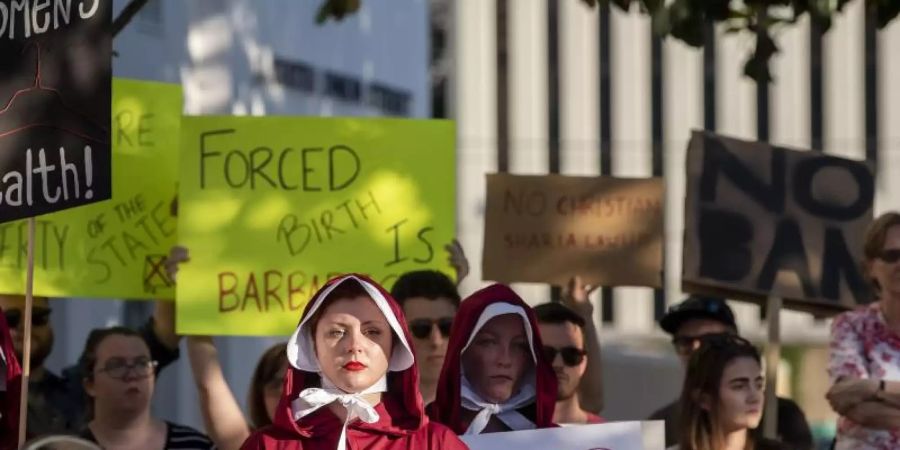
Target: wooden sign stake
26, 340
773, 357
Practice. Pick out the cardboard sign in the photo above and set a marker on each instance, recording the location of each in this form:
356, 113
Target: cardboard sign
763, 220
272, 207
115, 248
549, 228
607, 436
55, 89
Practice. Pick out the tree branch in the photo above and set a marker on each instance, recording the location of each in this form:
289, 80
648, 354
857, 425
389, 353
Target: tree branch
131, 10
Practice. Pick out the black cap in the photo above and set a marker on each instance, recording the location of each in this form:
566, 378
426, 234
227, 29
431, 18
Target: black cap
696, 307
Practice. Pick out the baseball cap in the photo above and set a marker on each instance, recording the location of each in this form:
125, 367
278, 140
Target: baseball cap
697, 307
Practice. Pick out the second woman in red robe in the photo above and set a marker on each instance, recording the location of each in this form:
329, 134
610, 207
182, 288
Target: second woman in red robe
495, 375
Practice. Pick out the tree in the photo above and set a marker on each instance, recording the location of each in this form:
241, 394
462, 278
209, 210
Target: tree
685, 20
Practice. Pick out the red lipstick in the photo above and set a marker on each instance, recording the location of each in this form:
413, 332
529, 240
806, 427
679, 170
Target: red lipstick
354, 366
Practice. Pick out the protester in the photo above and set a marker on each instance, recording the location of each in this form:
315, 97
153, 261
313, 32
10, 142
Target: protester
56, 403
864, 363
10, 389
495, 376
562, 331
690, 321
119, 379
576, 295
353, 381
723, 397
429, 300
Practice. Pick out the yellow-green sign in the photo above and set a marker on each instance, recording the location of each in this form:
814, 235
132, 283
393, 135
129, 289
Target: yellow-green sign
271, 207
111, 249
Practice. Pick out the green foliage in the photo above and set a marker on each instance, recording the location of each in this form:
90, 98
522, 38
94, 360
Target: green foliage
685, 20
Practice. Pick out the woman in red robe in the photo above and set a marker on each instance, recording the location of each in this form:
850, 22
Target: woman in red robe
353, 382
495, 375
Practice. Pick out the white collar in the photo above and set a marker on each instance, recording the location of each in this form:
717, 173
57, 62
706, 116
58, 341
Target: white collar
311, 400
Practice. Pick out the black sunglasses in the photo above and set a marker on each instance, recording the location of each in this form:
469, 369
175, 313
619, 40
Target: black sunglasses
890, 256
421, 328
39, 317
571, 356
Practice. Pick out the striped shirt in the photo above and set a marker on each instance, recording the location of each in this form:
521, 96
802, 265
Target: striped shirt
178, 437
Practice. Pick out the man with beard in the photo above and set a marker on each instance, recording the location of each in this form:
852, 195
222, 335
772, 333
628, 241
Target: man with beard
56, 403
562, 332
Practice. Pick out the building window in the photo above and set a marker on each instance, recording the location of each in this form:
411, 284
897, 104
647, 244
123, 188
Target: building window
392, 101
295, 75
342, 87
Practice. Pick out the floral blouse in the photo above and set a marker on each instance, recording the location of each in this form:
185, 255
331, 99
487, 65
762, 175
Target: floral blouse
862, 346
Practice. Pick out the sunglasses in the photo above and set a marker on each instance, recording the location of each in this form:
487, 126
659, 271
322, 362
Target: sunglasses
39, 317
890, 256
571, 356
421, 328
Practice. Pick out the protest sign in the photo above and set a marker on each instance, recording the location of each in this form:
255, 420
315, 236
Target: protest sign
607, 436
55, 85
271, 207
763, 220
549, 228
115, 248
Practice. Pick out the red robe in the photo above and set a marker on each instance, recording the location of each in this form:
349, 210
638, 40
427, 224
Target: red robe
402, 423
10, 399
447, 408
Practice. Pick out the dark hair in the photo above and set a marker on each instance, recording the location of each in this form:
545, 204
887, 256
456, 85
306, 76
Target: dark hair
704, 376
557, 313
266, 370
873, 243
430, 284
88, 358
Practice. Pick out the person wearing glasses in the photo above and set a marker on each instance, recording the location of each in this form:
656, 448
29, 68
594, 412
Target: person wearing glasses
429, 300
119, 376
56, 402
723, 396
864, 363
562, 332
688, 322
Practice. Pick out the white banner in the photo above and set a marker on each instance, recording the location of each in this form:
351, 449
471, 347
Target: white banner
607, 436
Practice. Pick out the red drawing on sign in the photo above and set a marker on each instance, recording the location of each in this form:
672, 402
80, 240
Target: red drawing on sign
56, 96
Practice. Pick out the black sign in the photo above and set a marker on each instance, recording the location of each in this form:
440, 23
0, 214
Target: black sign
55, 105
763, 220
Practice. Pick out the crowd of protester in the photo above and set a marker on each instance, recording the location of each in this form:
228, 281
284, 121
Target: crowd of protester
419, 366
